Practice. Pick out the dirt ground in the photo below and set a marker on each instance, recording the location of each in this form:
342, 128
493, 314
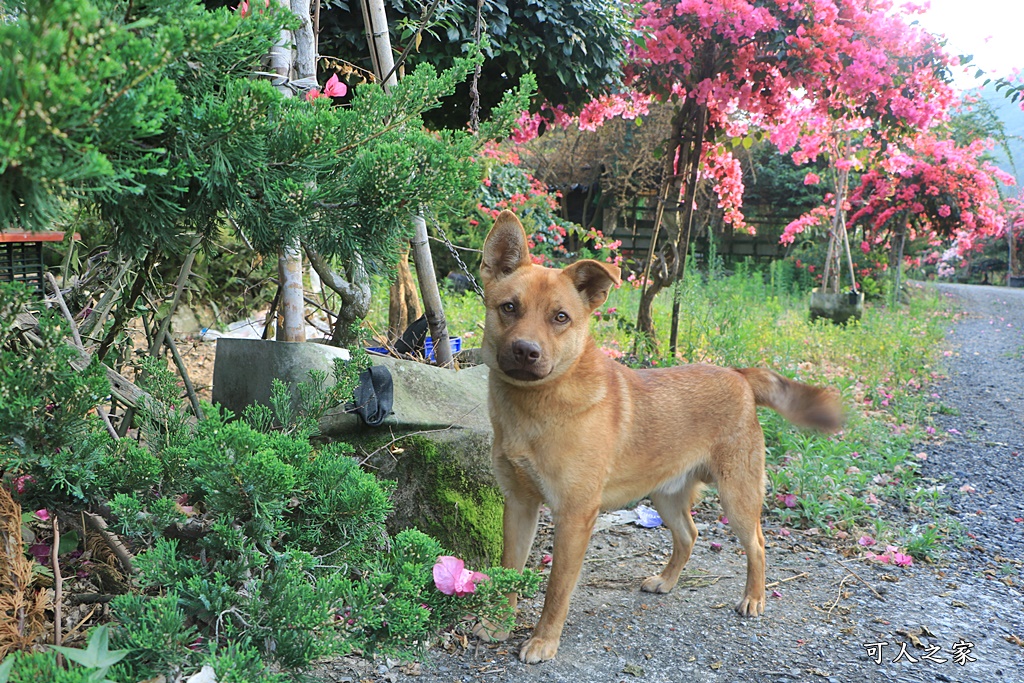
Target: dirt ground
829, 618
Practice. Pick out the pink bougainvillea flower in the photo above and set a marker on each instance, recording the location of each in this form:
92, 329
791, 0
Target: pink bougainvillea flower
243, 8
314, 94
452, 578
546, 560
811, 179
716, 547
43, 515
866, 540
902, 559
789, 500
334, 87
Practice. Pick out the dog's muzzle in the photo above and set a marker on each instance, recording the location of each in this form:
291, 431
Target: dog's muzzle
523, 360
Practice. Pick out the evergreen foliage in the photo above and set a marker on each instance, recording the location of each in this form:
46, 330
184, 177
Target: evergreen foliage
46, 432
149, 112
256, 549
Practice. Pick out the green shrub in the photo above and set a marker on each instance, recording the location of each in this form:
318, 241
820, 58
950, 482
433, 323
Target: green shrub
48, 439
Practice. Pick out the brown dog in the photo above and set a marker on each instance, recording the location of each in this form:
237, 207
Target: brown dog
582, 433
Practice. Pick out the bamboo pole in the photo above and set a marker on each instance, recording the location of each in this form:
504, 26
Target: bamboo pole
376, 21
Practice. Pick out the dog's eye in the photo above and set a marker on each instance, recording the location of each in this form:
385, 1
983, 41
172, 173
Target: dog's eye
562, 317
508, 307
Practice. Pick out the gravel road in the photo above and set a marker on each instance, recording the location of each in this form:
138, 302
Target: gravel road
829, 618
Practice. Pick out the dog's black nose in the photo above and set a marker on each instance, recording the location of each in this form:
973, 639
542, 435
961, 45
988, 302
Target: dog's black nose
526, 352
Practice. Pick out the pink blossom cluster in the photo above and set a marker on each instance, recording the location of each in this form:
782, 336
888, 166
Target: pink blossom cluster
940, 189
817, 219
726, 174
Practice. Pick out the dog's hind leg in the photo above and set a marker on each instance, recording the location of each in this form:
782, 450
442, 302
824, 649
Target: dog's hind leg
674, 508
741, 492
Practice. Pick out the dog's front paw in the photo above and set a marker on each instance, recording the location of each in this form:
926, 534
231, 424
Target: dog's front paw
750, 606
657, 584
538, 650
488, 632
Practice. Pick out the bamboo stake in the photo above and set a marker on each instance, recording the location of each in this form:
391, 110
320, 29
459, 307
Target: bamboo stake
431, 295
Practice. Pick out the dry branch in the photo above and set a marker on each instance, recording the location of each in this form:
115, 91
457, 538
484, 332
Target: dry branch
115, 544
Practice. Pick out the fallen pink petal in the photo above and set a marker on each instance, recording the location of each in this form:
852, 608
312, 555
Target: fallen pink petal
452, 578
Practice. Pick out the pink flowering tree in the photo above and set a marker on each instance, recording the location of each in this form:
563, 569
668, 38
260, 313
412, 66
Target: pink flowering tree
742, 64
931, 189
1015, 233
875, 80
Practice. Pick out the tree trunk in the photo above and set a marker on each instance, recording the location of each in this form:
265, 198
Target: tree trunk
688, 138
431, 295
354, 290
404, 305
896, 258
376, 22
291, 324
1011, 241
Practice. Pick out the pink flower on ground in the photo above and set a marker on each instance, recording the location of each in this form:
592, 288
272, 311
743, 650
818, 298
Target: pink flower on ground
789, 500
866, 541
43, 515
546, 560
716, 547
902, 560
334, 87
452, 578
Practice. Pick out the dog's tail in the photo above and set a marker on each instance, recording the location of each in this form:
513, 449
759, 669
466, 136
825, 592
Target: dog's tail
801, 404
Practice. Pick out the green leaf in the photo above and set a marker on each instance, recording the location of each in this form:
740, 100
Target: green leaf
96, 655
5, 669
68, 542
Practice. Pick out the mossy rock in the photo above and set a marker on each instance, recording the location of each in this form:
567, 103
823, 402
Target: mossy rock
445, 488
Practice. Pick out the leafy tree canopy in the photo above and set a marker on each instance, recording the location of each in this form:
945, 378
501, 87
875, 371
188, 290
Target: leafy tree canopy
575, 49
149, 113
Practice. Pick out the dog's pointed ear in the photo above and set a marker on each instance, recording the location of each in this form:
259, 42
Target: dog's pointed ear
593, 280
505, 249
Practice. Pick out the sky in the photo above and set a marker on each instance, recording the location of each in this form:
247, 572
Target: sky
988, 29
